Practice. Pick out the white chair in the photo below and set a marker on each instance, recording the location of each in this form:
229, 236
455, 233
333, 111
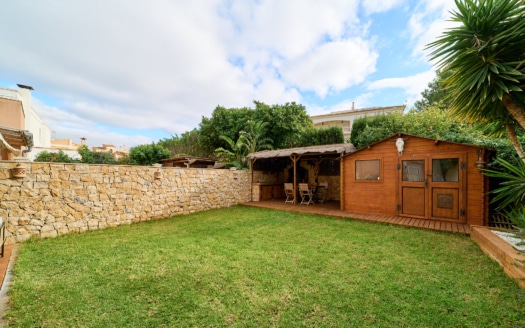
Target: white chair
320, 194
307, 194
289, 192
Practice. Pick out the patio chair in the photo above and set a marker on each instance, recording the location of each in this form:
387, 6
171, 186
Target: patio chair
289, 192
320, 194
307, 194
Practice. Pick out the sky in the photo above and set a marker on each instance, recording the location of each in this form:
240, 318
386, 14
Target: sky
131, 72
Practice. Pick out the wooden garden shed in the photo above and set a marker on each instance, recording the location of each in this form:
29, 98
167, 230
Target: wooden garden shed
407, 175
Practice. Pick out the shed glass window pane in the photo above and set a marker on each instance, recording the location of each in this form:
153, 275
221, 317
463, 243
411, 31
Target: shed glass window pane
445, 170
414, 171
367, 170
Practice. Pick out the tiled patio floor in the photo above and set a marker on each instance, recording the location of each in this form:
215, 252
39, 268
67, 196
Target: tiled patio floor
332, 209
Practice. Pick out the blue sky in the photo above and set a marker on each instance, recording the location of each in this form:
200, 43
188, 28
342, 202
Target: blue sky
133, 72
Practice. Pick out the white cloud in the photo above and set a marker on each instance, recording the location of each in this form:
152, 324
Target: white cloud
427, 23
412, 85
378, 6
333, 66
289, 28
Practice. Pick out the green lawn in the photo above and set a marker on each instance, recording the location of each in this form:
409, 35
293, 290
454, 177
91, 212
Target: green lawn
249, 267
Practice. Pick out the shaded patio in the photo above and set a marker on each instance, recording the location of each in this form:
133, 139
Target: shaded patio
332, 208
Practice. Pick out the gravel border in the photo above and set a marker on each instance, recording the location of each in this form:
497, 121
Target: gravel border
512, 239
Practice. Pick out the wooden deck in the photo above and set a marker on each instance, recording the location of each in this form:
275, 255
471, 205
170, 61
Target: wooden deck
332, 209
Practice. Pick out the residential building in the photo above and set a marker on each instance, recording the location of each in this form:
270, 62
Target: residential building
20, 118
346, 118
109, 148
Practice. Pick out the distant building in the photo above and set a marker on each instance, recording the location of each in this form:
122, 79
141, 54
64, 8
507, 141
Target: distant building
346, 118
67, 146
109, 148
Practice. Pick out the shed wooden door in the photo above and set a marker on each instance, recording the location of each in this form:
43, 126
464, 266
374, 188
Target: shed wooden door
432, 187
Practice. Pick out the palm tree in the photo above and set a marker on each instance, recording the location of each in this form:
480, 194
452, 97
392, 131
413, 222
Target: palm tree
485, 53
255, 137
238, 152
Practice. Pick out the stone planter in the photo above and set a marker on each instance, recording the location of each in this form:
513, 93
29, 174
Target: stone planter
512, 261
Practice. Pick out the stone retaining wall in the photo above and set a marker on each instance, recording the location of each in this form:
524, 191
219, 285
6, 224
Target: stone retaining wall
55, 199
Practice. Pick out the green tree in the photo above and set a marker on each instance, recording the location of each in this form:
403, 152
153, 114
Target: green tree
186, 144
435, 93
86, 155
223, 122
147, 154
59, 156
285, 124
485, 53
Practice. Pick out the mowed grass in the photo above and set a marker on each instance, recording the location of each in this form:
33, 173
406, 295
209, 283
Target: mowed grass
249, 267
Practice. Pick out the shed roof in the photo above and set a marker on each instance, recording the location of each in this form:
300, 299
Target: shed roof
335, 149
407, 136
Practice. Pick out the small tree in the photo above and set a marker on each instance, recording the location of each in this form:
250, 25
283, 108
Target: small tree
186, 143
435, 93
91, 157
147, 154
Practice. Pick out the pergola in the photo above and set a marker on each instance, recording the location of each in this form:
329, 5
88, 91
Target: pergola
316, 154
189, 162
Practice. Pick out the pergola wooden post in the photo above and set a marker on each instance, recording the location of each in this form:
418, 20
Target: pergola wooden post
294, 159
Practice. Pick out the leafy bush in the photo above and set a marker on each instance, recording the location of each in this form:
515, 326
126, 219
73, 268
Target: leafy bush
147, 154
315, 137
59, 156
434, 122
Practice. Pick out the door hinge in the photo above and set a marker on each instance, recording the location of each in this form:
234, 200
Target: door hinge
463, 165
462, 212
398, 207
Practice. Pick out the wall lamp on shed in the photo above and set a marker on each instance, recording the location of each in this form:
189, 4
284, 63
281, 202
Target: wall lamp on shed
480, 163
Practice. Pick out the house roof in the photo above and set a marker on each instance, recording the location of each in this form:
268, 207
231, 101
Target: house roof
335, 149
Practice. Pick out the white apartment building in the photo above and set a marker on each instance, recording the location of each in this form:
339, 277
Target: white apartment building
346, 118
